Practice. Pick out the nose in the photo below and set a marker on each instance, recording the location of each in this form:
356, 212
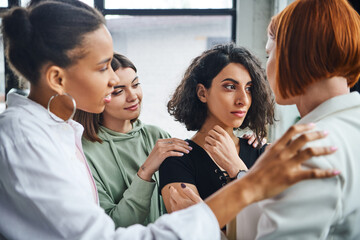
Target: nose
113, 80
243, 98
131, 95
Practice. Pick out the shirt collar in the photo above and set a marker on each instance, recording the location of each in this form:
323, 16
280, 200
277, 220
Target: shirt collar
33, 108
331, 106
41, 113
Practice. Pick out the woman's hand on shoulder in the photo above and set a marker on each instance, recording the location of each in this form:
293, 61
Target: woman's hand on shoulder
179, 196
280, 166
164, 148
223, 151
252, 140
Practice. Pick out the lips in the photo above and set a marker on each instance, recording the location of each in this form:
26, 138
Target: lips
107, 98
133, 107
239, 114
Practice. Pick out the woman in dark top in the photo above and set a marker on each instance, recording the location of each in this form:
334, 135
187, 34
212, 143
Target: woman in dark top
223, 89
197, 168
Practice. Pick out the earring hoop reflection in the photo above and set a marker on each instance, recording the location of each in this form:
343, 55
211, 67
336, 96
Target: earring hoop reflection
52, 115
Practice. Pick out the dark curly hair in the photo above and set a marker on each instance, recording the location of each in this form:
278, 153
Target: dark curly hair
186, 107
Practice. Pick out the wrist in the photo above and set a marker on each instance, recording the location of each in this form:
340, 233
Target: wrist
234, 172
240, 174
248, 193
236, 168
144, 174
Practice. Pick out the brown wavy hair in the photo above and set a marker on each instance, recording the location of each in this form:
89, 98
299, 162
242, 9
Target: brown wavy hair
186, 107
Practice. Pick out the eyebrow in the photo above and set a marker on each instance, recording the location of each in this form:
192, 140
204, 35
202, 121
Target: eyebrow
234, 81
121, 86
104, 61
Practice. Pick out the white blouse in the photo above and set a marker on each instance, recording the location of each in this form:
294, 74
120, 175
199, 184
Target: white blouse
47, 193
317, 209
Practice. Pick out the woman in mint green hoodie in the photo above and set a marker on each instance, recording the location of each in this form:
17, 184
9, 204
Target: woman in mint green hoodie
124, 154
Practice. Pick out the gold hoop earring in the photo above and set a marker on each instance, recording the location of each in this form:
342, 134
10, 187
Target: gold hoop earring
52, 114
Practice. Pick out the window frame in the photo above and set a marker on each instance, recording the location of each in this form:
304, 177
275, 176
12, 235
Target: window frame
100, 5
11, 80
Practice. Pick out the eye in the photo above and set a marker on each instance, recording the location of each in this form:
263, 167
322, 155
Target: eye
230, 86
117, 92
104, 69
136, 85
267, 56
248, 88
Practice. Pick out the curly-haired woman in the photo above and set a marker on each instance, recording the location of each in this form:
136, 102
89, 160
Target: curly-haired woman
223, 89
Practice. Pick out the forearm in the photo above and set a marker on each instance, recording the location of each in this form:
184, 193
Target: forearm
128, 212
230, 200
145, 173
133, 207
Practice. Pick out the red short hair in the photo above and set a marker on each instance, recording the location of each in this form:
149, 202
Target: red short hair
315, 39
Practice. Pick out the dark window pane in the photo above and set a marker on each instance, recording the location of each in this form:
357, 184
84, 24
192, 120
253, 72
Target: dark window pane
161, 49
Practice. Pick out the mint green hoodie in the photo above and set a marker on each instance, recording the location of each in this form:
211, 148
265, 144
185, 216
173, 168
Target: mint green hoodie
126, 198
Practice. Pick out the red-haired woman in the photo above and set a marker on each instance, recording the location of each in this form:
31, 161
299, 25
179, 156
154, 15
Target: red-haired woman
314, 57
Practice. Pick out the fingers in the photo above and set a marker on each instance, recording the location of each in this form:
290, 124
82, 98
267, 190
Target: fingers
307, 153
174, 194
294, 146
190, 193
293, 131
215, 136
173, 205
180, 201
173, 154
315, 173
176, 148
218, 133
172, 145
304, 138
252, 140
219, 130
174, 141
211, 141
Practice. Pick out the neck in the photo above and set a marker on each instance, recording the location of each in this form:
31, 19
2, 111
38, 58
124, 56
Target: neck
319, 92
121, 126
62, 106
199, 137
40, 95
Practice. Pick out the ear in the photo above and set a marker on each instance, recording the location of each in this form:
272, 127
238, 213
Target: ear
201, 92
54, 78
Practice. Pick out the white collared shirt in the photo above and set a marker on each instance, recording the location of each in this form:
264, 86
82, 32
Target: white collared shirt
317, 209
46, 192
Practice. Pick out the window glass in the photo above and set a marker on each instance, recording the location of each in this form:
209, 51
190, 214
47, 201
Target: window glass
89, 2
162, 48
166, 4
3, 3
24, 3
